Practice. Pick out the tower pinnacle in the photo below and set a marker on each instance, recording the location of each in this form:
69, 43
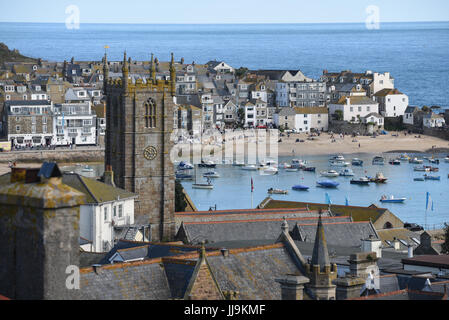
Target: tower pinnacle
173, 75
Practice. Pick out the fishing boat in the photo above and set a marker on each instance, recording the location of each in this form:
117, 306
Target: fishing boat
338, 163
357, 162
347, 173
87, 169
361, 181
379, 178
432, 169
298, 163
395, 162
250, 167
327, 184
277, 191
427, 177
309, 169
329, 173
416, 161
300, 187
211, 174
434, 161
271, 171
207, 185
392, 199
421, 169
286, 166
404, 157
207, 164
418, 179
378, 160
337, 158
183, 165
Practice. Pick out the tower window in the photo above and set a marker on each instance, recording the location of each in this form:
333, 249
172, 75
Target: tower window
150, 114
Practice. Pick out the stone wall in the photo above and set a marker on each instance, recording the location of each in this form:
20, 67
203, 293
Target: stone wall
58, 155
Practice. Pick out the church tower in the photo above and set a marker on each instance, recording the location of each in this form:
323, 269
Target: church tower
319, 270
139, 124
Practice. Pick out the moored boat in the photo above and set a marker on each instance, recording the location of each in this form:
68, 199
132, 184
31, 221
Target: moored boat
338, 163
277, 191
421, 169
250, 167
404, 157
418, 179
364, 181
300, 187
292, 170
211, 174
329, 173
309, 169
357, 162
347, 173
379, 178
416, 161
327, 184
183, 176
392, 199
395, 162
183, 165
207, 164
428, 177
378, 160
87, 169
271, 170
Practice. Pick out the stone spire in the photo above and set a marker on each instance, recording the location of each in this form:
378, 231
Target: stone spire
153, 69
320, 254
173, 75
105, 73
125, 71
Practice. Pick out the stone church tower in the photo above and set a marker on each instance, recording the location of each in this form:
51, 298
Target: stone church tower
139, 120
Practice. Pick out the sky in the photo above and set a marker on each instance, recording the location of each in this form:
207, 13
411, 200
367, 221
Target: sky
223, 11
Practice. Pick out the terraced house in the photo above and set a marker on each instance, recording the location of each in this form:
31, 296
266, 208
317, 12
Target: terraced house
29, 122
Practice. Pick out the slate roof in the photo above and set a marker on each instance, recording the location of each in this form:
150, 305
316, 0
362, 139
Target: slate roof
27, 103
311, 110
356, 100
436, 261
143, 280
320, 254
398, 233
411, 109
238, 230
387, 92
95, 191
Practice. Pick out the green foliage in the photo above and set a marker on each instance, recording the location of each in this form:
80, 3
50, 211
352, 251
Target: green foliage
180, 202
339, 115
240, 72
7, 55
445, 245
241, 115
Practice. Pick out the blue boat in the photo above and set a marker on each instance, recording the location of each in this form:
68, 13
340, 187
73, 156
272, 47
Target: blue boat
185, 166
300, 187
432, 177
327, 184
357, 162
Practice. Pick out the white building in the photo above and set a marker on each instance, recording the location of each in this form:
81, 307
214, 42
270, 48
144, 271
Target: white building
311, 118
374, 118
75, 123
220, 66
381, 81
392, 103
433, 120
107, 210
354, 108
409, 115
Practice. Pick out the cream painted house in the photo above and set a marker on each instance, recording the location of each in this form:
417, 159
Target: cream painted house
354, 108
392, 102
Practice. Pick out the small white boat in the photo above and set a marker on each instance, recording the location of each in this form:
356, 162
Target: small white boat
337, 158
292, 170
347, 173
392, 199
271, 170
422, 169
329, 173
298, 163
339, 163
446, 159
250, 167
87, 169
202, 186
286, 166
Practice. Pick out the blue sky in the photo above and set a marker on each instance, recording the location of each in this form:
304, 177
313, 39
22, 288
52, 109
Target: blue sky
223, 11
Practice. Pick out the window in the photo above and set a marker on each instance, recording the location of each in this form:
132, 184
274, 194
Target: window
150, 113
114, 210
105, 213
33, 120
44, 128
87, 122
17, 129
33, 128
120, 211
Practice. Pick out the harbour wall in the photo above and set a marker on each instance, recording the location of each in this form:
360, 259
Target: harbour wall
61, 156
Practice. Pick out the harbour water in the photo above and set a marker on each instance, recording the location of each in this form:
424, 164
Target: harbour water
233, 189
416, 54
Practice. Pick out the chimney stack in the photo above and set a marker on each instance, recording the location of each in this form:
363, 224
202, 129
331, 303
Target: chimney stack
109, 176
292, 287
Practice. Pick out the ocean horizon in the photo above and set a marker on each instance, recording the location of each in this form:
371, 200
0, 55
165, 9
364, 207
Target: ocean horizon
415, 53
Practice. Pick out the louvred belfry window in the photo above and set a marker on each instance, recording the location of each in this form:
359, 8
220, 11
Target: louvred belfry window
150, 114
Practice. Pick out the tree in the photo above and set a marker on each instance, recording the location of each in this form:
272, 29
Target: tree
339, 115
180, 201
445, 245
241, 115
240, 72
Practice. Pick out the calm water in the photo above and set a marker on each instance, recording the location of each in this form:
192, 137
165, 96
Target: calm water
417, 54
233, 189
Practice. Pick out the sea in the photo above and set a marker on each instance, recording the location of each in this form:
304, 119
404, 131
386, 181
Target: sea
232, 190
416, 54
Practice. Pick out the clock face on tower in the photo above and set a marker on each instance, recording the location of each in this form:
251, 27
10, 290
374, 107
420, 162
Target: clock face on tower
150, 153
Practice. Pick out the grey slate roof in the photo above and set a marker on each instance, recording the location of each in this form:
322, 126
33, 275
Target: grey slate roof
320, 254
